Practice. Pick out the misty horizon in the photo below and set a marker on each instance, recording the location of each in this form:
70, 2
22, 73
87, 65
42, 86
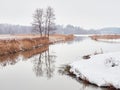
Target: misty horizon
64, 25
91, 14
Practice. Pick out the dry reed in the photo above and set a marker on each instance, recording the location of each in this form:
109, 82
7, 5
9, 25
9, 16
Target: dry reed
16, 45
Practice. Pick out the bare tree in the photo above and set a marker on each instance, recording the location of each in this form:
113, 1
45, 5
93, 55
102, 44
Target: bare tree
38, 21
44, 21
49, 20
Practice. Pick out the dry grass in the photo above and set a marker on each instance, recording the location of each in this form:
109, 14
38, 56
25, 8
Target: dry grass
30, 53
15, 43
8, 46
96, 37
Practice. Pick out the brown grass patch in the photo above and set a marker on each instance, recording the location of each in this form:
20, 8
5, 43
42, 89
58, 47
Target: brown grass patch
15, 45
30, 53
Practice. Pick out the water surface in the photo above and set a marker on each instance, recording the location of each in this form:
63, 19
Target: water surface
38, 69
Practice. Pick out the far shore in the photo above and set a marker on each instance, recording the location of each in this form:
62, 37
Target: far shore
109, 36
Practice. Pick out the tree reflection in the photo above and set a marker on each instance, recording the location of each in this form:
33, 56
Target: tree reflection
43, 60
44, 64
38, 66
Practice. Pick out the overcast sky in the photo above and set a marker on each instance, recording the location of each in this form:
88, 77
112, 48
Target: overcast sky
84, 13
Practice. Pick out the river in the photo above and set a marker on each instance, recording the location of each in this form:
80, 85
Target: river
36, 70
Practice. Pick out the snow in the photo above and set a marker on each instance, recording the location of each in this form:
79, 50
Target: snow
102, 69
109, 40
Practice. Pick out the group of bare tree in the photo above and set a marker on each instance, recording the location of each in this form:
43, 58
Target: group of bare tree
43, 21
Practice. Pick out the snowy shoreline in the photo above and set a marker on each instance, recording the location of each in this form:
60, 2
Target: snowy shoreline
102, 70
109, 40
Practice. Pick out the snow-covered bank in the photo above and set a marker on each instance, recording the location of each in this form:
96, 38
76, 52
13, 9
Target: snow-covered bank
102, 69
110, 40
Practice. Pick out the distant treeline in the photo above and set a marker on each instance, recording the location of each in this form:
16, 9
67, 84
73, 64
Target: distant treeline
60, 29
14, 29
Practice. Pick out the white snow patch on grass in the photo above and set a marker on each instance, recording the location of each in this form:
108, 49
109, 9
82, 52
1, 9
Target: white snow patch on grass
102, 69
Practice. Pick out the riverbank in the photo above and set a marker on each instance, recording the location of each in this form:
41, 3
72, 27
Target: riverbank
101, 70
105, 37
10, 44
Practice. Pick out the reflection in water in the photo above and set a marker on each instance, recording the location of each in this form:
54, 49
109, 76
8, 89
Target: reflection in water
31, 53
8, 60
12, 59
80, 38
44, 64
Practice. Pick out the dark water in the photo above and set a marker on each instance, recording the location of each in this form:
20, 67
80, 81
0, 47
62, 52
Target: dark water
38, 69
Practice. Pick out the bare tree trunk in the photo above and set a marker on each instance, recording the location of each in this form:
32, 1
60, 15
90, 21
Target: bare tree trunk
38, 21
40, 30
